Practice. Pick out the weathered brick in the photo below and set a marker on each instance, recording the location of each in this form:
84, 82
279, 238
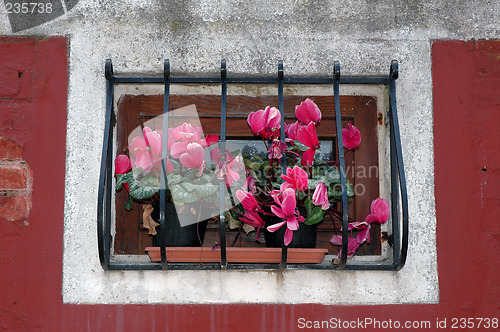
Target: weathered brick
15, 208
13, 176
10, 150
9, 82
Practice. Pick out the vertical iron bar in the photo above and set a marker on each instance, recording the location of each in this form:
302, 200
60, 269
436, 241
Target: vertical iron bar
104, 192
340, 147
281, 106
222, 183
397, 172
396, 234
163, 173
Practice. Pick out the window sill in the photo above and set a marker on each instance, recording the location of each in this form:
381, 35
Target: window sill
237, 255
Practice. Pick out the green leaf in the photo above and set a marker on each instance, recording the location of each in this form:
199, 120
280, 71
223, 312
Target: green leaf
254, 163
144, 188
232, 222
180, 194
315, 214
123, 178
302, 195
300, 146
174, 179
130, 203
332, 176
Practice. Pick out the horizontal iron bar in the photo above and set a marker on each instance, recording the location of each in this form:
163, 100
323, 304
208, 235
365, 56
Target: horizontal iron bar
248, 266
255, 80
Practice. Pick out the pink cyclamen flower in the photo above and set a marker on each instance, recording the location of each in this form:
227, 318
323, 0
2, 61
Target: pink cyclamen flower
229, 168
277, 149
178, 148
122, 164
249, 185
253, 218
265, 123
193, 157
307, 136
308, 157
379, 211
379, 214
351, 137
170, 167
308, 112
153, 140
225, 171
247, 200
296, 178
251, 207
292, 130
320, 196
140, 155
364, 234
187, 133
352, 245
210, 139
287, 211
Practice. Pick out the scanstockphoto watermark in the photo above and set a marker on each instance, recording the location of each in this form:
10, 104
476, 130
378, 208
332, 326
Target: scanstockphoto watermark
358, 172
362, 323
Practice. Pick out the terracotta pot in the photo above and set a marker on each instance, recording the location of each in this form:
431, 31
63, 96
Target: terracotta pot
191, 235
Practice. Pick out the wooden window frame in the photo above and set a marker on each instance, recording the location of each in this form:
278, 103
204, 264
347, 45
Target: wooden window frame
133, 110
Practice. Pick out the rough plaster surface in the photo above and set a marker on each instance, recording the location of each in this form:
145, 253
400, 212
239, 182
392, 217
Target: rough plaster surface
252, 35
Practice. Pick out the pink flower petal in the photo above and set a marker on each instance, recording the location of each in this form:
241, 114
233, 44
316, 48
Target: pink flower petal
380, 207
170, 167
289, 202
308, 112
210, 139
307, 136
178, 149
288, 236
364, 235
122, 164
292, 224
278, 212
351, 137
308, 157
275, 227
153, 138
193, 157
252, 218
372, 218
320, 196
265, 123
247, 200
357, 225
336, 240
138, 143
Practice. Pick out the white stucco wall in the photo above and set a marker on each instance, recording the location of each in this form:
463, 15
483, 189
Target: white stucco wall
253, 35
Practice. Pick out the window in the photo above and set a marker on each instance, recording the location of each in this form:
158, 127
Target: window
361, 167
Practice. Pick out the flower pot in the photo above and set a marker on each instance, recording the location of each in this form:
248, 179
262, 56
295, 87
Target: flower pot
176, 235
304, 237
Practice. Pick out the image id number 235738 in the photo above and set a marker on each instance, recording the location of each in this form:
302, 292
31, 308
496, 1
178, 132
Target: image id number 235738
28, 7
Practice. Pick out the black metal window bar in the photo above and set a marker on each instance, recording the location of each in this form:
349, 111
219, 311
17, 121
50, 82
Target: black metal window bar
399, 200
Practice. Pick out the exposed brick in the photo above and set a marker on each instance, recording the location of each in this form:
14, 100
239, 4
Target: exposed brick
10, 150
13, 176
15, 208
9, 82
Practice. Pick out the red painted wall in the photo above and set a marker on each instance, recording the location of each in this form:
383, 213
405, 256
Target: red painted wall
466, 78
